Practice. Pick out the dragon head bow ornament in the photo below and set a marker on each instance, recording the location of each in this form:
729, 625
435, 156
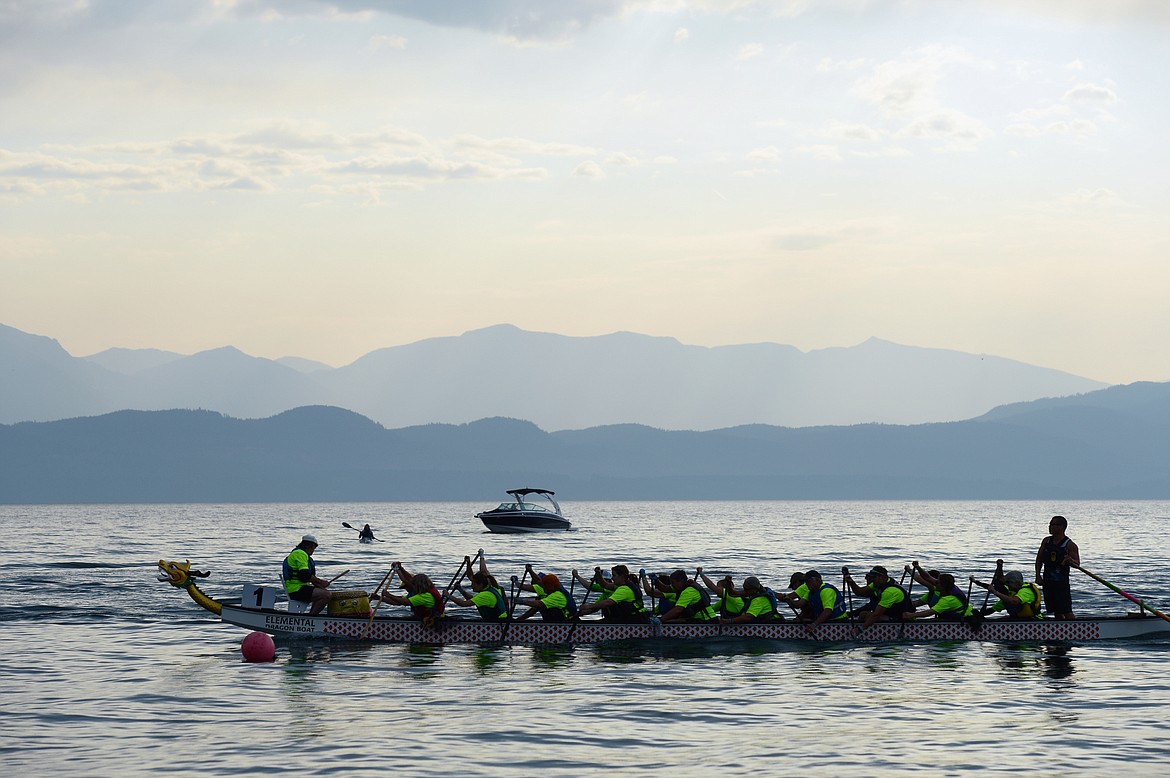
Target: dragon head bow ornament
179, 575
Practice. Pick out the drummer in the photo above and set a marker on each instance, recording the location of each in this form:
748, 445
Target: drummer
299, 574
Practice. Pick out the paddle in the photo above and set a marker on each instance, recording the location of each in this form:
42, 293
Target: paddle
584, 601
517, 587
995, 578
374, 612
334, 578
355, 529
458, 577
849, 595
1141, 603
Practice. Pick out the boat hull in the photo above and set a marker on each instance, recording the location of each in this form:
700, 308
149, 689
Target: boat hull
521, 522
455, 631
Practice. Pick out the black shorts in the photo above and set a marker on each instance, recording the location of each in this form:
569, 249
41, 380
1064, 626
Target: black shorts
1057, 597
304, 594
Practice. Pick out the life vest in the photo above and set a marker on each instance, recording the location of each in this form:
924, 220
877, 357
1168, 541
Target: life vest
730, 605
497, 611
816, 606
895, 611
773, 610
425, 614
1025, 610
628, 610
701, 610
295, 578
1052, 554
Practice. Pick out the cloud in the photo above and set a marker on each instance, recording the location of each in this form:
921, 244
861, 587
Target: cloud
1090, 93
846, 131
681, 35
821, 151
1081, 128
766, 154
961, 132
589, 169
379, 42
1100, 197
802, 241
526, 21
909, 85
749, 51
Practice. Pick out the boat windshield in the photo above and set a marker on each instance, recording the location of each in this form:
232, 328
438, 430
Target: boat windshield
521, 506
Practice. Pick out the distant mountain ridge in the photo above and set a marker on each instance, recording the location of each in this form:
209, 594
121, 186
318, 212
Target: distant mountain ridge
557, 382
1110, 444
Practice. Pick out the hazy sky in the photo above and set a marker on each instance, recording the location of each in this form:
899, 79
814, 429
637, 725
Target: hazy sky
322, 179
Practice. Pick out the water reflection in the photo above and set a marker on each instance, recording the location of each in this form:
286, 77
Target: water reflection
1053, 660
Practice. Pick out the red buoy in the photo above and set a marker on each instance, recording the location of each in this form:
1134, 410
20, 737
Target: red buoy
258, 647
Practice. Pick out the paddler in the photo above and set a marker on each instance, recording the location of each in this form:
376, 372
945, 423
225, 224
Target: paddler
488, 597
950, 605
692, 604
731, 603
891, 599
551, 601
824, 602
299, 574
426, 604
1020, 600
759, 604
623, 603
366, 534
660, 589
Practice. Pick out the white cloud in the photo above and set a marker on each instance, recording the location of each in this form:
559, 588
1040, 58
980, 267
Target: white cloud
379, 42
847, 131
1090, 93
1100, 197
1081, 128
749, 51
821, 151
960, 131
681, 35
589, 169
769, 154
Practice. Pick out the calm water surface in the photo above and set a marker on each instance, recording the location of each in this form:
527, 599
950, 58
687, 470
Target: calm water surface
109, 672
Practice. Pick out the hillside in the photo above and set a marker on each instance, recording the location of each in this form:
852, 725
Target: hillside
1110, 444
555, 381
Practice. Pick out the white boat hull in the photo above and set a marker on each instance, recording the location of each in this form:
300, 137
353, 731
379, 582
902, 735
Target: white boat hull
455, 631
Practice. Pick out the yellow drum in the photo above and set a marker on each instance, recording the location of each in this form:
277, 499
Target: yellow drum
355, 603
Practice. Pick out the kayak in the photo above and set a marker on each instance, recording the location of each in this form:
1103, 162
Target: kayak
259, 615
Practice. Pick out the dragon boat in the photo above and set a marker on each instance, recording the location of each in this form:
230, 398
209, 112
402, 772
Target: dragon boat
257, 612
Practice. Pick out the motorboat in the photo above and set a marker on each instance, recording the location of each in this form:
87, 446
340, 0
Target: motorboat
523, 516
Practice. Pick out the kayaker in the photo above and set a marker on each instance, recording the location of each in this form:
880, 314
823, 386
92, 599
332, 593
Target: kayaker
623, 604
759, 604
299, 574
692, 604
824, 602
1020, 600
891, 599
366, 534
1052, 568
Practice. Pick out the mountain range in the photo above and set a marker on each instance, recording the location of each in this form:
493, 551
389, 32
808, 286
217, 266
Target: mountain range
556, 382
1109, 444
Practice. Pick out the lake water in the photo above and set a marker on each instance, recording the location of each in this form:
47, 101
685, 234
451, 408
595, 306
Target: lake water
108, 672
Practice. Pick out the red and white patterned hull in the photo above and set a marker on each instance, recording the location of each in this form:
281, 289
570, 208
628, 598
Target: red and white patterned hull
395, 630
